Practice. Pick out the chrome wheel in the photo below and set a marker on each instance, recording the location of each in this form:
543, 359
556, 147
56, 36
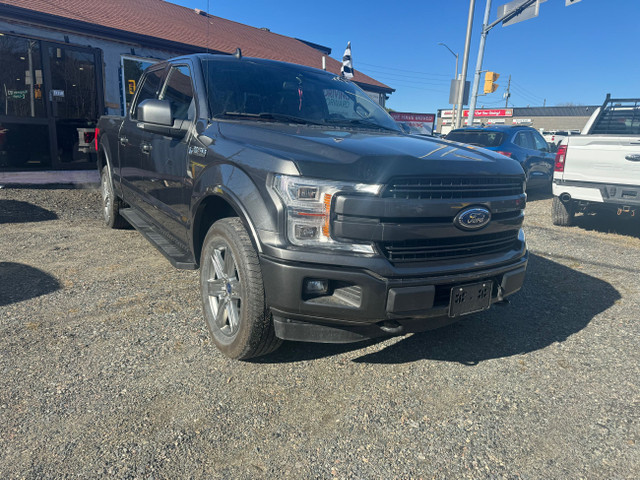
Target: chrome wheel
224, 290
239, 321
107, 198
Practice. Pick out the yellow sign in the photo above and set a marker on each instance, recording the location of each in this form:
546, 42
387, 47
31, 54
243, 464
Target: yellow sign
132, 86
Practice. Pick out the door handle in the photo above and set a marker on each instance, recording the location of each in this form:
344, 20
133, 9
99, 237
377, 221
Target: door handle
146, 147
633, 158
124, 141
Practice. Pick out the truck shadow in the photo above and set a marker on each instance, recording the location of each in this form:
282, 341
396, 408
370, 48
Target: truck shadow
610, 223
555, 303
16, 211
20, 282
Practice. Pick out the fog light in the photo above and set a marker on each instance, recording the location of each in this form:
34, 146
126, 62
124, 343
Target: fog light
304, 232
316, 286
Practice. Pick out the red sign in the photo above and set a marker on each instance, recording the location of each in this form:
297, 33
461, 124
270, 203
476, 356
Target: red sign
500, 112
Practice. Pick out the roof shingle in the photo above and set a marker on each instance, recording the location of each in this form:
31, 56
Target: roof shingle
167, 21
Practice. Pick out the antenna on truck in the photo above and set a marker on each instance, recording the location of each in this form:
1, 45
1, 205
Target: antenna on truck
238, 53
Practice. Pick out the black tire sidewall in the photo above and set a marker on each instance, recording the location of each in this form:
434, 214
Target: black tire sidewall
231, 234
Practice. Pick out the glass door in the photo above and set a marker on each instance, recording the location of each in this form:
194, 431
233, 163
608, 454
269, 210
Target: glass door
74, 97
25, 141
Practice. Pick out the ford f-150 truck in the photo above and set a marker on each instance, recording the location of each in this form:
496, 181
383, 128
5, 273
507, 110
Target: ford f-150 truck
600, 169
310, 214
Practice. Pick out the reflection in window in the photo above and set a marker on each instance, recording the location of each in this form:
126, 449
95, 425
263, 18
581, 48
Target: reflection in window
132, 69
21, 88
73, 80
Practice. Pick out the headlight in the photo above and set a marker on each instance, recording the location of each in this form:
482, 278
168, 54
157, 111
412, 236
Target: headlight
308, 204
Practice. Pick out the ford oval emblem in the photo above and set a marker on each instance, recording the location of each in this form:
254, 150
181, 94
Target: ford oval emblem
473, 218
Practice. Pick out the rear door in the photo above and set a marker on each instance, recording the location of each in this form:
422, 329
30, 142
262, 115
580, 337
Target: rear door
134, 159
537, 161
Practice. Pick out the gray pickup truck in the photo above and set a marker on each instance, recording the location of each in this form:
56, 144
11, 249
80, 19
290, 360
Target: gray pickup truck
310, 214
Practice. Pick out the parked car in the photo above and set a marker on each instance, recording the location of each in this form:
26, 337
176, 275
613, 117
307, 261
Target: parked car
310, 214
523, 144
600, 169
554, 137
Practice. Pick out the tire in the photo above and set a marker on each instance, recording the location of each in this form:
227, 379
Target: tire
562, 213
111, 204
239, 322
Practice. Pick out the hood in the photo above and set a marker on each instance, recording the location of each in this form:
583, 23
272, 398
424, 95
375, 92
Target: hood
369, 156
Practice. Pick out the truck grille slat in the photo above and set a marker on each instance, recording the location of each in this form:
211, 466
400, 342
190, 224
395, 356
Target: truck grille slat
429, 188
435, 249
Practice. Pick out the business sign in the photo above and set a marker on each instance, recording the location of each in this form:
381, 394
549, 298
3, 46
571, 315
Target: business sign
17, 94
497, 112
419, 123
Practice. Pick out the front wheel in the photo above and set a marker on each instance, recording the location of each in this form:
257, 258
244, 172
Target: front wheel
239, 322
111, 204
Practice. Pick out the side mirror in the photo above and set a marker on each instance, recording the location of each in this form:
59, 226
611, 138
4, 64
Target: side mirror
157, 112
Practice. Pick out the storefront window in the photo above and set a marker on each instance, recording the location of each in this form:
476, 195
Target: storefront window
21, 84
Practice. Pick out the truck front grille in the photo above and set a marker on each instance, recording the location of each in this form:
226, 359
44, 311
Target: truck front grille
432, 188
424, 250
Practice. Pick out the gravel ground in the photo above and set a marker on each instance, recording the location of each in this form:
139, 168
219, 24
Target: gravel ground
107, 369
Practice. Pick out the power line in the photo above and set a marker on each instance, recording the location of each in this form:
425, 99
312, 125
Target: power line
386, 68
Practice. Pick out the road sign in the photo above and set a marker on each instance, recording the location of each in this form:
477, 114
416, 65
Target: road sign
454, 89
530, 12
570, 2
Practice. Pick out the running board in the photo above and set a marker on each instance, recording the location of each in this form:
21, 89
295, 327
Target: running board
178, 256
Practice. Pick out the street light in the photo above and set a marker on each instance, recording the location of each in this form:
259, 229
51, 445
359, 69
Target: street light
453, 115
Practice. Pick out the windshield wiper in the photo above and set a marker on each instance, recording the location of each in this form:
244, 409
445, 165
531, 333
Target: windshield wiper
357, 122
280, 117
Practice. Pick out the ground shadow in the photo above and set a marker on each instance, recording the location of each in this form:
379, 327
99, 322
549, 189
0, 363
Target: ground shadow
16, 211
20, 282
534, 195
555, 303
609, 222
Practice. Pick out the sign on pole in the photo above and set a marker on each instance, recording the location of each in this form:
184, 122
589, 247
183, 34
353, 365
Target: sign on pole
453, 92
570, 2
530, 12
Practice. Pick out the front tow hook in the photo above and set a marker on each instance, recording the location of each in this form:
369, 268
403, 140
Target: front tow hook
392, 328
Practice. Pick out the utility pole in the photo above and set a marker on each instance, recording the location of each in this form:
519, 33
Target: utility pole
486, 27
465, 63
508, 94
476, 80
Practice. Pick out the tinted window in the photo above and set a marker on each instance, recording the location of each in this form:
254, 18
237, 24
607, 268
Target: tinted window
149, 88
284, 92
179, 92
21, 90
524, 140
479, 138
540, 142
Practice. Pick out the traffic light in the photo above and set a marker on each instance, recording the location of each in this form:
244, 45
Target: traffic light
489, 78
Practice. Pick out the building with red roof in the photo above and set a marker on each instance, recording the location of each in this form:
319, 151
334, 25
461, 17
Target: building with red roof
65, 63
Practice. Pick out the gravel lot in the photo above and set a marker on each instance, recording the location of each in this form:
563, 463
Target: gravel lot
107, 370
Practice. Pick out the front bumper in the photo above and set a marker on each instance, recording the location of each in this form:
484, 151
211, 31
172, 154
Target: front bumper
360, 304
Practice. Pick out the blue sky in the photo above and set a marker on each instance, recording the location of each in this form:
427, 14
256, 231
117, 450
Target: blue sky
574, 54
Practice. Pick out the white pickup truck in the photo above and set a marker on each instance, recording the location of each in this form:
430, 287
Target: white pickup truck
600, 168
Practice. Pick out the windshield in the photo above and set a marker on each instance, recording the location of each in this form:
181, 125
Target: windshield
474, 137
289, 93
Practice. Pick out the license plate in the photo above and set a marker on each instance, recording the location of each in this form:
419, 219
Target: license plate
467, 299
